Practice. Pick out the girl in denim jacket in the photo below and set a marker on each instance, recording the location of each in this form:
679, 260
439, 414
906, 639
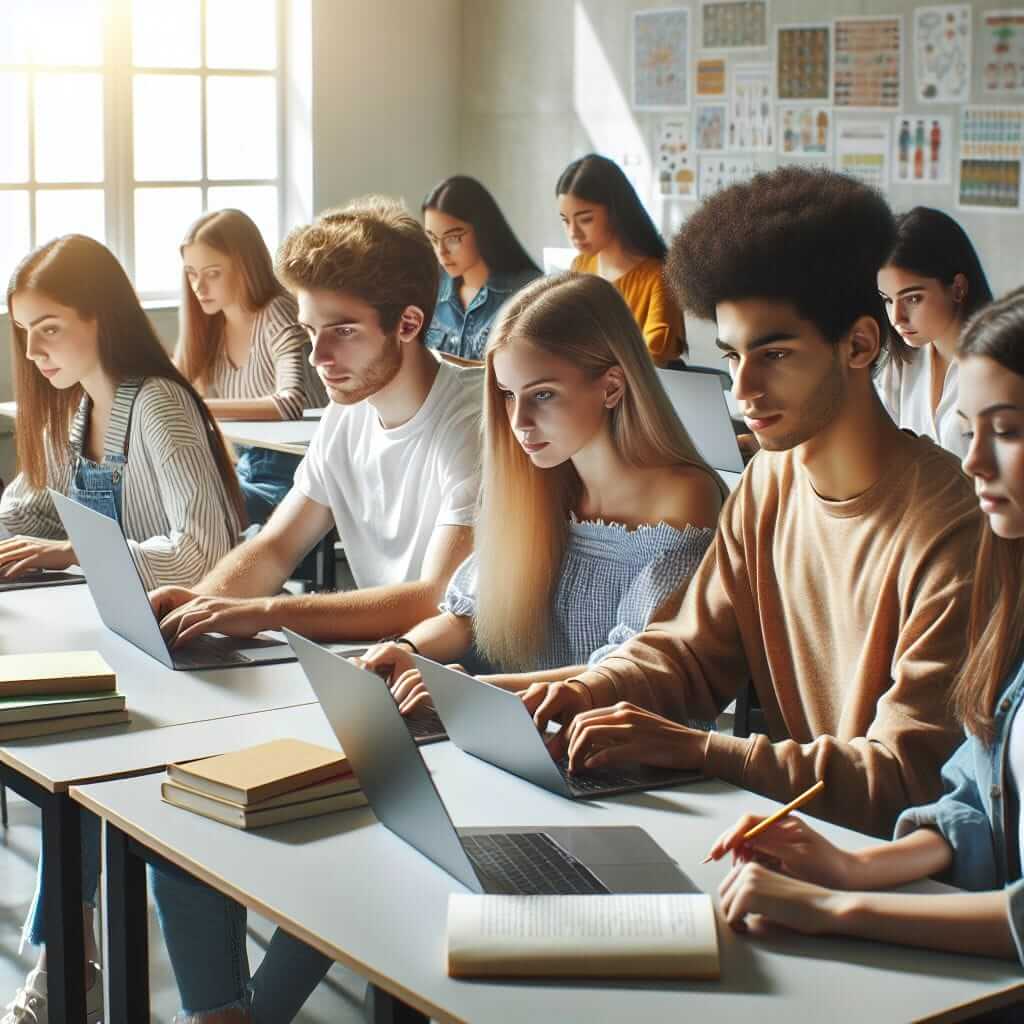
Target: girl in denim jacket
972, 835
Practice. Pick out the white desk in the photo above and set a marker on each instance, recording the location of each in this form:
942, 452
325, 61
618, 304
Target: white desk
291, 436
362, 896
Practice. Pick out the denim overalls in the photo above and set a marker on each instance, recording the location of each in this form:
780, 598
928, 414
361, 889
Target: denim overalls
99, 487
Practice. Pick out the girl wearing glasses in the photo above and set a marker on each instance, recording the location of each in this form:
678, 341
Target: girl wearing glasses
482, 260
605, 220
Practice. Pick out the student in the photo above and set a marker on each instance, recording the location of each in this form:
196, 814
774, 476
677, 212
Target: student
931, 284
614, 507
124, 434
971, 836
394, 465
839, 578
617, 240
241, 348
483, 263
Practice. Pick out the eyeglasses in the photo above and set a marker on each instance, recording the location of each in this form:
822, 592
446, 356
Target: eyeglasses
448, 243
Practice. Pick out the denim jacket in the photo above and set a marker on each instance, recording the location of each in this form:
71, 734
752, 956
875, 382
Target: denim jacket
463, 332
972, 813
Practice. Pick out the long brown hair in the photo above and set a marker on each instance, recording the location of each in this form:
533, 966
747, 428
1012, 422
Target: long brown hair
583, 319
201, 337
996, 630
84, 275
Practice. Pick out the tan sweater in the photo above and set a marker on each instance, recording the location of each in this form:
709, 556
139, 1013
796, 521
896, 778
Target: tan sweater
850, 617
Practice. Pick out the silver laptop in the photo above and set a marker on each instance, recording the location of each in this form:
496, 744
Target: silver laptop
124, 606
494, 725
398, 786
37, 577
700, 404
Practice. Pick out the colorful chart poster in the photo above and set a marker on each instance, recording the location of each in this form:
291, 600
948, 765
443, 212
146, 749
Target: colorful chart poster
711, 118
862, 151
734, 24
1003, 52
711, 77
922, 150
942, 53
751, 113
661, 58
803, 62
717, 172
989, 185
805, 130
992, 133
675, 161
866, 62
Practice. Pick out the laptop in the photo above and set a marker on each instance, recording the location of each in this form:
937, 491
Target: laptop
123, 603
700, 404
398, 786
37, 577
494, 725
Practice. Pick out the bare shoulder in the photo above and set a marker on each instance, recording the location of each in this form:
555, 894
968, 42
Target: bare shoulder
686, 496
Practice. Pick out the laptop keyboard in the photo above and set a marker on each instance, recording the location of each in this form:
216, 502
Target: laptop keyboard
206, 651
529, 863
426, 725
600, 780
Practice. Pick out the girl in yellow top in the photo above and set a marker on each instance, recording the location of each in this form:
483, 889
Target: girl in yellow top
617, 240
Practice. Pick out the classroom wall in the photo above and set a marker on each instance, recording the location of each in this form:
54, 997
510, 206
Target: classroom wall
545, 81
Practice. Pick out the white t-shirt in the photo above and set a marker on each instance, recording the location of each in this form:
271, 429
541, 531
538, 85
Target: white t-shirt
906, 392
1015, 764
389, 489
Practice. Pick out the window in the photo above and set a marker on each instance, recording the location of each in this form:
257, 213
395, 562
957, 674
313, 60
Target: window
126, 119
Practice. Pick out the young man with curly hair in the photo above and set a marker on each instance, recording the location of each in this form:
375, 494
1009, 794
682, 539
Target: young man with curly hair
839, 580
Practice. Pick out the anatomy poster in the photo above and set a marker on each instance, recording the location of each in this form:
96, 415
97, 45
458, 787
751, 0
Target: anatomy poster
661, 50
942, 53
922, 150
718, 172
866, 71
711, 118
803, 55
1003, 52
862, 151
805, 130
675, 162
734, 24
751, 114
711, 77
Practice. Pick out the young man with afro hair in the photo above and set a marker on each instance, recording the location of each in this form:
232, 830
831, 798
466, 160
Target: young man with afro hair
839, 580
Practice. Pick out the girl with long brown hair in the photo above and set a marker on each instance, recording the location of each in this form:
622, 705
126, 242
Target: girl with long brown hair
972, 836
240, 346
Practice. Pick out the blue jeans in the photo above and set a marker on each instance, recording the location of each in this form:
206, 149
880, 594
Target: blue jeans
205, 936
265, 477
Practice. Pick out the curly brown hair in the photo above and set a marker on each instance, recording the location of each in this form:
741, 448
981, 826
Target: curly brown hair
810, 237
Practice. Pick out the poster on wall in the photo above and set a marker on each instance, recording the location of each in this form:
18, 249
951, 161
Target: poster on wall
862, 151
805, 130
1003, 52
675, 162
718, 172
711, 77
992, 133
989, 185
922, 150
942, 53
661, 58
734, 24
803, 53
751, 114
866, 69
711, 118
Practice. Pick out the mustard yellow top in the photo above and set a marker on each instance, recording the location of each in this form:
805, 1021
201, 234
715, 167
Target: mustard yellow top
651, 303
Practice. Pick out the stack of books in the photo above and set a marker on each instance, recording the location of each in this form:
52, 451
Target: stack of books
60, 692
263, 785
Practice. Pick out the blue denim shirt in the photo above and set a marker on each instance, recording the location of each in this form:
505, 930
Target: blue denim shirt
972, 813
463, 332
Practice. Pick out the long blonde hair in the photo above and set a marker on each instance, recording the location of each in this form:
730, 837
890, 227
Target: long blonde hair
201, 337
522, 527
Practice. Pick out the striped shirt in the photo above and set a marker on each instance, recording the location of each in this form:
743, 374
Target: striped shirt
176, 513
277, 366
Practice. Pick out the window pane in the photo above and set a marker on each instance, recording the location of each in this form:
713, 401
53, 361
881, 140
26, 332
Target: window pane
67, 31
258, 201
165, 35
16, 37
14, 240
67, 211
162, 216
167, 133
241, 127
241, 34
69, 127
14, 119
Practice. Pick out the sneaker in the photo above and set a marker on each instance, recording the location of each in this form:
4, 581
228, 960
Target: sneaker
29, 1004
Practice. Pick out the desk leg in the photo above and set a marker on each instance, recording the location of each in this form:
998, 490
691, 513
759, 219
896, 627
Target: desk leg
127, 937
65, 935
383, 1008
